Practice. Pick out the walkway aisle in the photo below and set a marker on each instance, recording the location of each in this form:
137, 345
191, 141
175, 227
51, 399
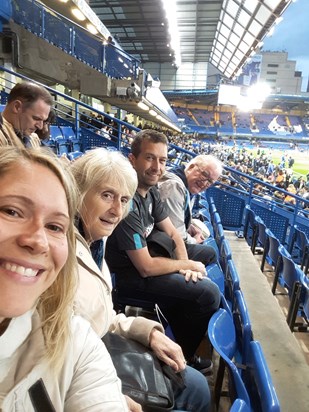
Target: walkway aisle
285, 359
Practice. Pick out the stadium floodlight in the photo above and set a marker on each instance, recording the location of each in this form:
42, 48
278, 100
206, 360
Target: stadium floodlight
170, 8
253, 97
259, 90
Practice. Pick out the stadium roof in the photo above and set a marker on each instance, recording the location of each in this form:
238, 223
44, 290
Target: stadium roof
222, 32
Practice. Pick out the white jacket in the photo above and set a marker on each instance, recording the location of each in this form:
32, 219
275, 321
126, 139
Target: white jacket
94, 301
86, 382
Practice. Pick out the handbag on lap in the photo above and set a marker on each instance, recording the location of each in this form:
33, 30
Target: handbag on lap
144, 378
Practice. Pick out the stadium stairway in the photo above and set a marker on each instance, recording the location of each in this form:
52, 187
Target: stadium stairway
286, 361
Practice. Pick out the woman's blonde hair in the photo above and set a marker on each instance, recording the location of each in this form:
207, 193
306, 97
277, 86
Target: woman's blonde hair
56, 303
101, 165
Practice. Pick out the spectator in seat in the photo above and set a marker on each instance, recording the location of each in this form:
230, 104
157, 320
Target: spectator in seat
50, 360
178, 186
288, 198
27, 109
107, 182
149, 257
44, 133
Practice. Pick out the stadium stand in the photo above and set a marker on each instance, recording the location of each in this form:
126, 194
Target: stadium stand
231, 208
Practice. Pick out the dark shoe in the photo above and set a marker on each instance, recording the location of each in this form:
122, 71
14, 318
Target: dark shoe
202, 365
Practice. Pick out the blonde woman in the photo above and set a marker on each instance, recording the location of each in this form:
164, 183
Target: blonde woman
49, 359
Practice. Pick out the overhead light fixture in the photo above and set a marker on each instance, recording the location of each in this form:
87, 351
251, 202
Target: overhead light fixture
170, 8
152, 113
78, 14
91, 28
63, 1
143, 106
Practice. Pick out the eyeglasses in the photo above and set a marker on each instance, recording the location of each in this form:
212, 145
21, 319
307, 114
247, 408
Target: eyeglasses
206, 178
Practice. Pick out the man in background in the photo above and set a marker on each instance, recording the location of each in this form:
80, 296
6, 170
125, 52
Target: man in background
177, 188
27, 109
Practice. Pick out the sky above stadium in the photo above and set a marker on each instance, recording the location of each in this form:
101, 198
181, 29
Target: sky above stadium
292, 36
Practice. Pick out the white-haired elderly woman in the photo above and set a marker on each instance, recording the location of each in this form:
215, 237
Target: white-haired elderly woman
107, 182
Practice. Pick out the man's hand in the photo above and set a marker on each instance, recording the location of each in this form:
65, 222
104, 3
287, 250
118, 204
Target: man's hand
191, 275
132, 405
199, 237
196, 233
167, 350
193, 270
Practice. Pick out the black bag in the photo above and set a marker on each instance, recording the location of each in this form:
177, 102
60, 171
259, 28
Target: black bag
143, 377
160, 244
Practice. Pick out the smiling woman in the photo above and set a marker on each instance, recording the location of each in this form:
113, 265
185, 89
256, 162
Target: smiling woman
43, 349
107, 182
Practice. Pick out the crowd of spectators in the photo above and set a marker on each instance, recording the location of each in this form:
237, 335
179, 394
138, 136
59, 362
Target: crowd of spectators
260, 165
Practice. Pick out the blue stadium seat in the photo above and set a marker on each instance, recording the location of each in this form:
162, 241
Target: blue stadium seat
293, 279
62, 146
219, 233
225, 254
271, 250
74, 155
205, 214
210, 241
215, 273
260, 234
242, 327
258, 381
239, 405
250, 226
299, 248
221, 333
231, 281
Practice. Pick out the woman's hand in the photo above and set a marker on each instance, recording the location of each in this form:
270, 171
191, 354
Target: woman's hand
132, 405
167, 350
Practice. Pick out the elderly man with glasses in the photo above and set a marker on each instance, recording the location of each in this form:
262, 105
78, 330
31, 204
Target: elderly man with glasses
177, 188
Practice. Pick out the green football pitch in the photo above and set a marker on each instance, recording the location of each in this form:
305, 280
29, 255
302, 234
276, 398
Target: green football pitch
301, 165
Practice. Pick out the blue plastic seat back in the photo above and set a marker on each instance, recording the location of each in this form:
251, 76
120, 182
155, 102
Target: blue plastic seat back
62, 146
231, 280
261, 231
74, 155
250, 224
210, 241
289, 272
74, 144
205, 214
219, 233
258, 381
212, 205
239, 405
221, 333
300, 246
214, 272
216, 218
306, 299
225, 254
273, 252
203, 202
242, 326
